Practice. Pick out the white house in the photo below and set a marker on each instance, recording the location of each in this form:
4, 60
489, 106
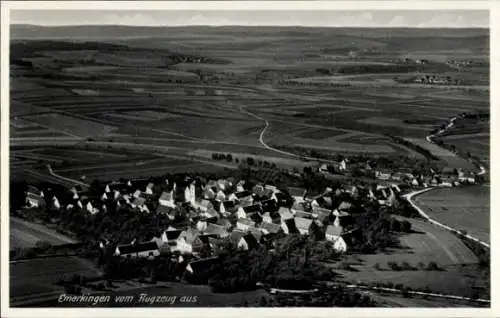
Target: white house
167, 199
149, 188
220, 196
190, 193
343, 165
55, 203
137, 193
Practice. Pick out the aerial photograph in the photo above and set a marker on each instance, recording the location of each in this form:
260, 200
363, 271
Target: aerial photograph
236, 158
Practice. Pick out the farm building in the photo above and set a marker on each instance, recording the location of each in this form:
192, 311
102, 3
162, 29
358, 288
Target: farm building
138, 250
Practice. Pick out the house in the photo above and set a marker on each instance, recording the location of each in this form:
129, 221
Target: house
285, 213
255, 217
242, 212
220, 196
188, 240
138, 202
324, 217
210, 214
324, 202
288, 226
149, 188
382, 175
298, 194
244, 224
223, 185
343, 165
214, 229
138, 250
89, 208
190, 193
170, 237
298, 207
344, 206
303, 214
137, 194
158, 241
225, 223
318, 210
243, 240
202, 241
164, 210
201, 225
167, 199
55, 203
244, 196
303, 225
247, 242
270, 228
209, 193
269, 205
34, 200
203, 205
333, 232
231, 197
271, 217
323, 168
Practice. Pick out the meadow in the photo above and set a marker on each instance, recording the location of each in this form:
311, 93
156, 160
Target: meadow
458, 272
466, 209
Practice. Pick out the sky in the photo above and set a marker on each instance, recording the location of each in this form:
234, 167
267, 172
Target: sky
325, 18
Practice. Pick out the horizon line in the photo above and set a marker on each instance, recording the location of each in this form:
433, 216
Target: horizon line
243, 25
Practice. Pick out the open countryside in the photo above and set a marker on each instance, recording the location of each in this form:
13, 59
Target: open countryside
250, 166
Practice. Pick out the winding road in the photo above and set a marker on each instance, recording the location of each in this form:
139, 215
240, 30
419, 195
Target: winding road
265, 145
410, 196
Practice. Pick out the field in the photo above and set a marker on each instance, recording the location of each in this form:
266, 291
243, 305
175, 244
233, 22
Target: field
461, 208
25, 234
135, 88
34, 279
459, 275
103, 163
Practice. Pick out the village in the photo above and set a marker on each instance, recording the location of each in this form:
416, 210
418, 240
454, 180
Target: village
204, 215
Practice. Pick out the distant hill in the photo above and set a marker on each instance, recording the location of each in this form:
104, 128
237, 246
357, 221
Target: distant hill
24, 31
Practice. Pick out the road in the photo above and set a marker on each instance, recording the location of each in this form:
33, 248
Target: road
265, 145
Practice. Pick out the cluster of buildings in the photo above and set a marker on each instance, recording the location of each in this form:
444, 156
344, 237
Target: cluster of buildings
404, 178
220, 212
